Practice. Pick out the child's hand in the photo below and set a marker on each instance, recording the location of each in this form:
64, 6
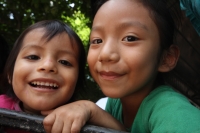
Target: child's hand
69, 118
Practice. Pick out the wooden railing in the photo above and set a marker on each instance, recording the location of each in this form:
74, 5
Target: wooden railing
33, 123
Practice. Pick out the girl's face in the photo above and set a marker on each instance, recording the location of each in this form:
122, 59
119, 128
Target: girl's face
45, 72
123, 55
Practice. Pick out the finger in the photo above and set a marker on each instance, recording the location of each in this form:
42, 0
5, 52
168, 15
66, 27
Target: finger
48, 122
57, 126
76, 126
67, 127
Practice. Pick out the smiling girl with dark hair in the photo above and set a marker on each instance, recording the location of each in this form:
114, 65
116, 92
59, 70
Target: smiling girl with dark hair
131, 46
44, 69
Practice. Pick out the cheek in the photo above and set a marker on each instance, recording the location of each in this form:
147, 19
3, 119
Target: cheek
70, 82
17, 75
91, 59
149, 55
142, 62
74, 80
21, 71
18, 83
71, 77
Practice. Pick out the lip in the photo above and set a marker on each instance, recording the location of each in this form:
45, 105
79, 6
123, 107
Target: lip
110, 75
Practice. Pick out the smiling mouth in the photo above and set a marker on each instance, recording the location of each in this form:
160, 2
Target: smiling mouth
110, 75
45, 85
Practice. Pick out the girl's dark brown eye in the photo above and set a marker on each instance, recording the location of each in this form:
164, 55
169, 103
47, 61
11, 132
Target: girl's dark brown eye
96, 41
130, 38
64, 62
32, 57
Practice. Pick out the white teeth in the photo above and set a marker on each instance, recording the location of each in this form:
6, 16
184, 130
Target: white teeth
54, 85
51, 84
34, 83
44, 84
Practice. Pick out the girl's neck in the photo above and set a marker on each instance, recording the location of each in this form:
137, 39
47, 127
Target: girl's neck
131, 104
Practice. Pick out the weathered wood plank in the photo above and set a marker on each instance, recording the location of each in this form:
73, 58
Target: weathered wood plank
33, 123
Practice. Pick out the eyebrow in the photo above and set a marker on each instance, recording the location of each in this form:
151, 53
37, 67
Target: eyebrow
39, 47
31, 46
124, 25
133, 23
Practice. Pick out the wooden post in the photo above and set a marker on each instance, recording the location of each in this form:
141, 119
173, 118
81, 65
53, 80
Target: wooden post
33, 123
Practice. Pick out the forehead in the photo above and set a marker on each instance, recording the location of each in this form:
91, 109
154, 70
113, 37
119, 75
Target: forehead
34, 36
60, 41
122, 12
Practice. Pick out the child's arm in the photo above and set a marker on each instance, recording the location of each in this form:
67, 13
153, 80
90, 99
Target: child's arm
72, 117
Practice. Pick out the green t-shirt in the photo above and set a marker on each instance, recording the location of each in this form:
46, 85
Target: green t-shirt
162, 111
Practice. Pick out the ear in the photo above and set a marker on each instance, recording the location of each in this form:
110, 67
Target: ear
9, 80
169, 60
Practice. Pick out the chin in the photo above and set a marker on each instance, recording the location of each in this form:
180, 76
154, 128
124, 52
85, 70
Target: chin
111, 94
41, 107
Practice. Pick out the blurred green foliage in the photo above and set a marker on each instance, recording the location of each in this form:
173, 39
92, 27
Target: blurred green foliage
78, 22
16, 15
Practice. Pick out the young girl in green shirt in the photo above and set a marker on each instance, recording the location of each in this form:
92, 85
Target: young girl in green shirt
131, 45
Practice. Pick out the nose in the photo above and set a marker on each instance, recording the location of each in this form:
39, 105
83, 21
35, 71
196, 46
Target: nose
48, 65
109, 52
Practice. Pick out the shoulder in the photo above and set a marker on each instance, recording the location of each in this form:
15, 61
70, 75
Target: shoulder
6, 102
5, 98
165, 94
164, 108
